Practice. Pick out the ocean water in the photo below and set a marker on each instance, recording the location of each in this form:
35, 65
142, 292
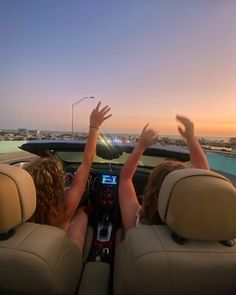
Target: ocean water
217, 161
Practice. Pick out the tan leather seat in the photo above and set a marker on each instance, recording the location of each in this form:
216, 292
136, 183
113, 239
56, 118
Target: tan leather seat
34, 259
199, 206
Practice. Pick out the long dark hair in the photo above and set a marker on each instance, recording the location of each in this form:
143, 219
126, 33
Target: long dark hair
148, 212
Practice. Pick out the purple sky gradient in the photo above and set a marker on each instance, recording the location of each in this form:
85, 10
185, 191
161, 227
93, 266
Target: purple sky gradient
147, 59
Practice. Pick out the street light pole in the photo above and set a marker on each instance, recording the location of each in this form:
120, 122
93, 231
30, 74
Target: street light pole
72, 117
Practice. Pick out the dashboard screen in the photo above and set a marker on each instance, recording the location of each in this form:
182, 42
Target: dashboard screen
109, 179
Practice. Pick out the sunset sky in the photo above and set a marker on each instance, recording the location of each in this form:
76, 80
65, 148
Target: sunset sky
147, 59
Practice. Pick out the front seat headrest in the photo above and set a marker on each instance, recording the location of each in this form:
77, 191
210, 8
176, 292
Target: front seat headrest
198, 204
17, 197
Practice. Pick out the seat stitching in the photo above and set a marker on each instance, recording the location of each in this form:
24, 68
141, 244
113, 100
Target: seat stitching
167, 260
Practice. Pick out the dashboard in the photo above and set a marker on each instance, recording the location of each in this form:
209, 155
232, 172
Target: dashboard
106, 175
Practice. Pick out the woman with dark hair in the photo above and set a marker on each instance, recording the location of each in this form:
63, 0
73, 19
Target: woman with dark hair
132, 212
55, 206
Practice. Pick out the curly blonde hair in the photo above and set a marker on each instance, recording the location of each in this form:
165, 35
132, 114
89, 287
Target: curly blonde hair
48, 177
148, 212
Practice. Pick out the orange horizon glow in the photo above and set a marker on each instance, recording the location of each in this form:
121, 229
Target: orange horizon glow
148, 62
211, 128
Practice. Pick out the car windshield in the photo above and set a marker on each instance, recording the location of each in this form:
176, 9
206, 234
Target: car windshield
76, 157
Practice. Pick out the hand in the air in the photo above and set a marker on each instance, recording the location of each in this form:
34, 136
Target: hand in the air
148, 137
97, 116
188, 131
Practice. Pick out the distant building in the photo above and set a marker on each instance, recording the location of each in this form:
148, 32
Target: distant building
34, 132
22, 130
232, 141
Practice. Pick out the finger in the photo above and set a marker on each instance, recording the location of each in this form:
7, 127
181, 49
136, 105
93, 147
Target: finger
145, 127
179, 118
105, 111
104, 108
184, 120
107, 117
98, 105
181, 131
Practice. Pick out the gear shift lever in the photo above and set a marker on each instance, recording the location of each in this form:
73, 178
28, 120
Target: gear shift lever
104, 229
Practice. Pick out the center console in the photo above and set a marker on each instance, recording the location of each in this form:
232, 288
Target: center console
105, 217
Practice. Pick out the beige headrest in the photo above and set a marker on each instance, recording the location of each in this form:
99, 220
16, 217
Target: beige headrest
198, 204
17, 196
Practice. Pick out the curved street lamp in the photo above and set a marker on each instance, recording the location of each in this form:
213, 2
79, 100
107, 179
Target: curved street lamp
73, 106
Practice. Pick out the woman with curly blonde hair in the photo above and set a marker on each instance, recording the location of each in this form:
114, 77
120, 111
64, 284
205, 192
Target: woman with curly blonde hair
48, 177
132, 212
58, 207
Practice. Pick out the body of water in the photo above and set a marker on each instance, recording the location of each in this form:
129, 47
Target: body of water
217, 161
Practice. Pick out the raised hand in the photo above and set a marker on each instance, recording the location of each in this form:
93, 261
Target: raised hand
148, 137
97, 116
188, 130
197, 156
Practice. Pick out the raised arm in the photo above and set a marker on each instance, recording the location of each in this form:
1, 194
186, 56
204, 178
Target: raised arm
127, 196
197, 155
79, 183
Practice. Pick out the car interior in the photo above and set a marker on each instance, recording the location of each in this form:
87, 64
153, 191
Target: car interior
193, 252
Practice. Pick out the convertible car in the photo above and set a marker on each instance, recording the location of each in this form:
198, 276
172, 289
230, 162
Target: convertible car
192, 252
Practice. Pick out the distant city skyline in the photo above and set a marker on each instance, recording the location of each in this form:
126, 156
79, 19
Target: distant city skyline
148, 60
56, 132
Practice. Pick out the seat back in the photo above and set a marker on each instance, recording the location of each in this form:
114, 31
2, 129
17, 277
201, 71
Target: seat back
185, 255
34, 259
